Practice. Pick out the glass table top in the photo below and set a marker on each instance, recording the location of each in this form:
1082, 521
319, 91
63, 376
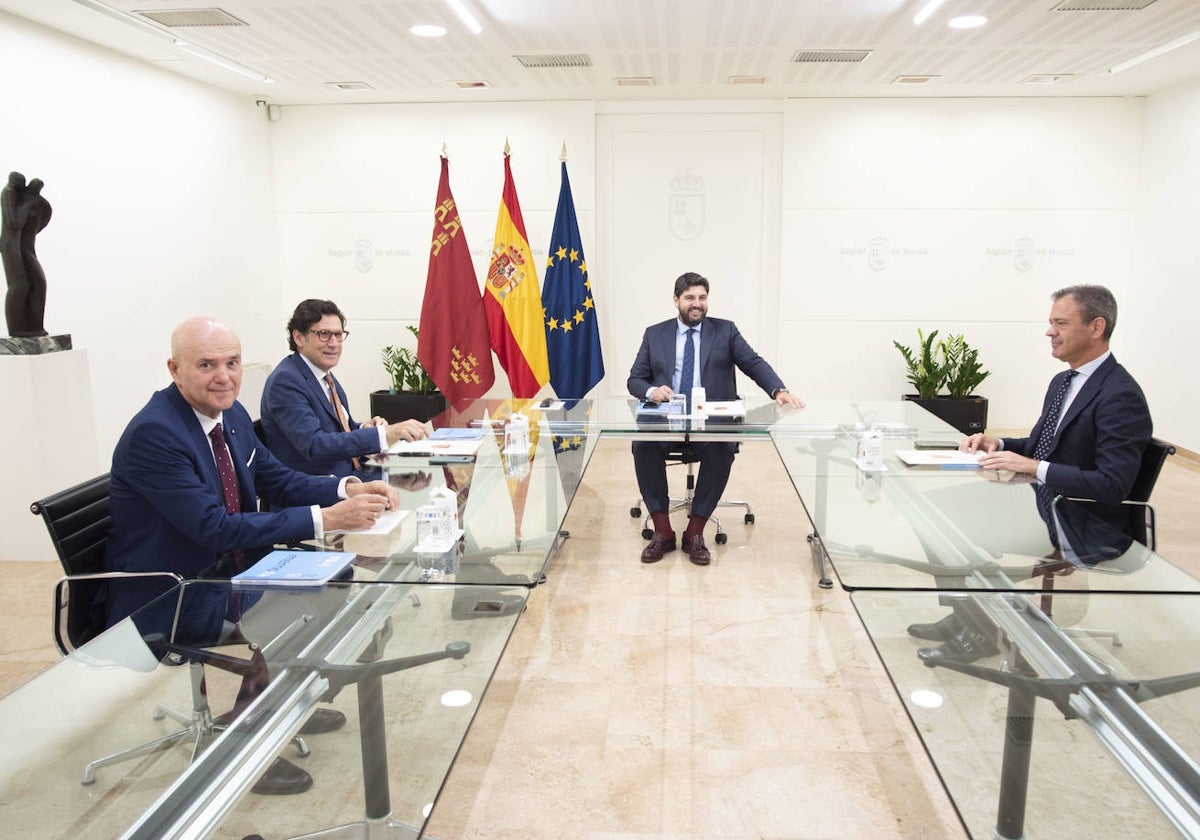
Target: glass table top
919, 528
425, 654
1077, 719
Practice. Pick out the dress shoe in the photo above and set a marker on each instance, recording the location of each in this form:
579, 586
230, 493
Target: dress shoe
659, 545
321, 721
283, 778
965, 646
696, 549
938, 631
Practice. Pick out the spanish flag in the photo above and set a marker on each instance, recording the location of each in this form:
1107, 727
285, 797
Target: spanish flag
513, 301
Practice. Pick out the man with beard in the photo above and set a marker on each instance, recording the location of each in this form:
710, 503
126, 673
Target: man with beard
677, 355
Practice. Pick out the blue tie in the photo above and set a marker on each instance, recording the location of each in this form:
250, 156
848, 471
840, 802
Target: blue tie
688, 372
1045, 438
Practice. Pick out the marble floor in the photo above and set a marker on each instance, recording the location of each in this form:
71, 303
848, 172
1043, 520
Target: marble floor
671, 701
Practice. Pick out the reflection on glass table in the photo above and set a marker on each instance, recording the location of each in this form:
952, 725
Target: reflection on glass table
904, 527
407, 666
1079, 720
510, 515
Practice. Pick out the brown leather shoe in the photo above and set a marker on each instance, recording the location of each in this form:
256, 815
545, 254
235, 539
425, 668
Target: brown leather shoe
659, 545
696, 549
283, 778
323, 720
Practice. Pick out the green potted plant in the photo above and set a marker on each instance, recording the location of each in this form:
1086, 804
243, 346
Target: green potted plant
412, 393
951, 364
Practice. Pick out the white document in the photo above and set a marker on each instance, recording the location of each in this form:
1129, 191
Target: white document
725, 408
428, 447
388, 521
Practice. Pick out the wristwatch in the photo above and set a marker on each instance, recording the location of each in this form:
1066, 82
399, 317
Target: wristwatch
779, 391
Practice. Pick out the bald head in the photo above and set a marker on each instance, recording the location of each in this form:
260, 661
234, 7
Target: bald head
206, 364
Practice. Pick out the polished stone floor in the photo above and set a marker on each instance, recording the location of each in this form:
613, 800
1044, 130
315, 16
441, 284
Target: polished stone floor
667, 700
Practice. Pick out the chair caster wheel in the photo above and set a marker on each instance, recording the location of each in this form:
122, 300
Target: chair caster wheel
722, 538
749, 518
635, 512
647, 533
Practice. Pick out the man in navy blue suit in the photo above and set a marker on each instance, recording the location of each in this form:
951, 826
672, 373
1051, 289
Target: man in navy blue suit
186, 477
1102, 422
305, 413
1088, 442
717, 348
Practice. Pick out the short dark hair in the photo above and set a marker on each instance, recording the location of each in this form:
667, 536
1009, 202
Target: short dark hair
307, 313
687, 280
1094, 302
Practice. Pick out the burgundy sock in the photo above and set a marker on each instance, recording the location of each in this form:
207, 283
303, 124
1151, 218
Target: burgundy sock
662, 523
695, 526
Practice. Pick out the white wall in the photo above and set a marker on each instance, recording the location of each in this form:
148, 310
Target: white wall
961, 215
161, 191
1167, 266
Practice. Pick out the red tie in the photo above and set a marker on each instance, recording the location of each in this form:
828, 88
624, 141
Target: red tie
229, 486
233, 504
338, 410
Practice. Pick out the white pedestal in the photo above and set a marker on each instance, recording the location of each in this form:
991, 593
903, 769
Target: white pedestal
49, 435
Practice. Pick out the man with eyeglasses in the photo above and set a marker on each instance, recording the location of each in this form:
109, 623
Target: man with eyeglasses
305, 412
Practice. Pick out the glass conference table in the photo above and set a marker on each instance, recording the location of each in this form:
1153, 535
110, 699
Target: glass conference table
407, 664
1071, 711
912, 545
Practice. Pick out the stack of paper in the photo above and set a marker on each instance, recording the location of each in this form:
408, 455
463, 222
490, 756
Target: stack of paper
939, 459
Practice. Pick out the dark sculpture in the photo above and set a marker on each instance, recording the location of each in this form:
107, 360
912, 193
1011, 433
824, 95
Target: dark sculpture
24, 214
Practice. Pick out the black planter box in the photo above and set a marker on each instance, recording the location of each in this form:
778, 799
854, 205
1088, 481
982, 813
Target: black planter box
406, 406
967, 414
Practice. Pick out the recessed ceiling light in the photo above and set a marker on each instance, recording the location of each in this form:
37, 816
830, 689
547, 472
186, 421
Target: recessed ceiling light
349, 85
966, 21
428, 30
747, 80
1156, 52
634, 81
470, 84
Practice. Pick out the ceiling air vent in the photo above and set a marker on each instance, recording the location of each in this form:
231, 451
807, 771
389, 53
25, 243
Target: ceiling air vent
472, 84
830, 56
1102, 5
191, 17
913, 80
349, 85
564, 60
634, 81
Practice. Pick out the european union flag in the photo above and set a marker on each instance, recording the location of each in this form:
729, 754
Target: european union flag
572, 332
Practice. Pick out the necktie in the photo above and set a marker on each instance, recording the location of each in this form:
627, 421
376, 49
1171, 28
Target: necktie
229, 486
233, 504
342, 417
1049, 429
688, 372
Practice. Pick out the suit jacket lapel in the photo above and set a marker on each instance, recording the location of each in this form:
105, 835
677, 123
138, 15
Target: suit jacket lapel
708, 339
201, 445
666, 347
1087, 393
315, 388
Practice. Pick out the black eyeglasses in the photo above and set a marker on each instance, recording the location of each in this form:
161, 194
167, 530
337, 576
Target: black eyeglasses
324, 336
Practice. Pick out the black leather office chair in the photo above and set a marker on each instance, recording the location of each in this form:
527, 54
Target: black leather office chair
685, 455
79, 523
1144, 527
